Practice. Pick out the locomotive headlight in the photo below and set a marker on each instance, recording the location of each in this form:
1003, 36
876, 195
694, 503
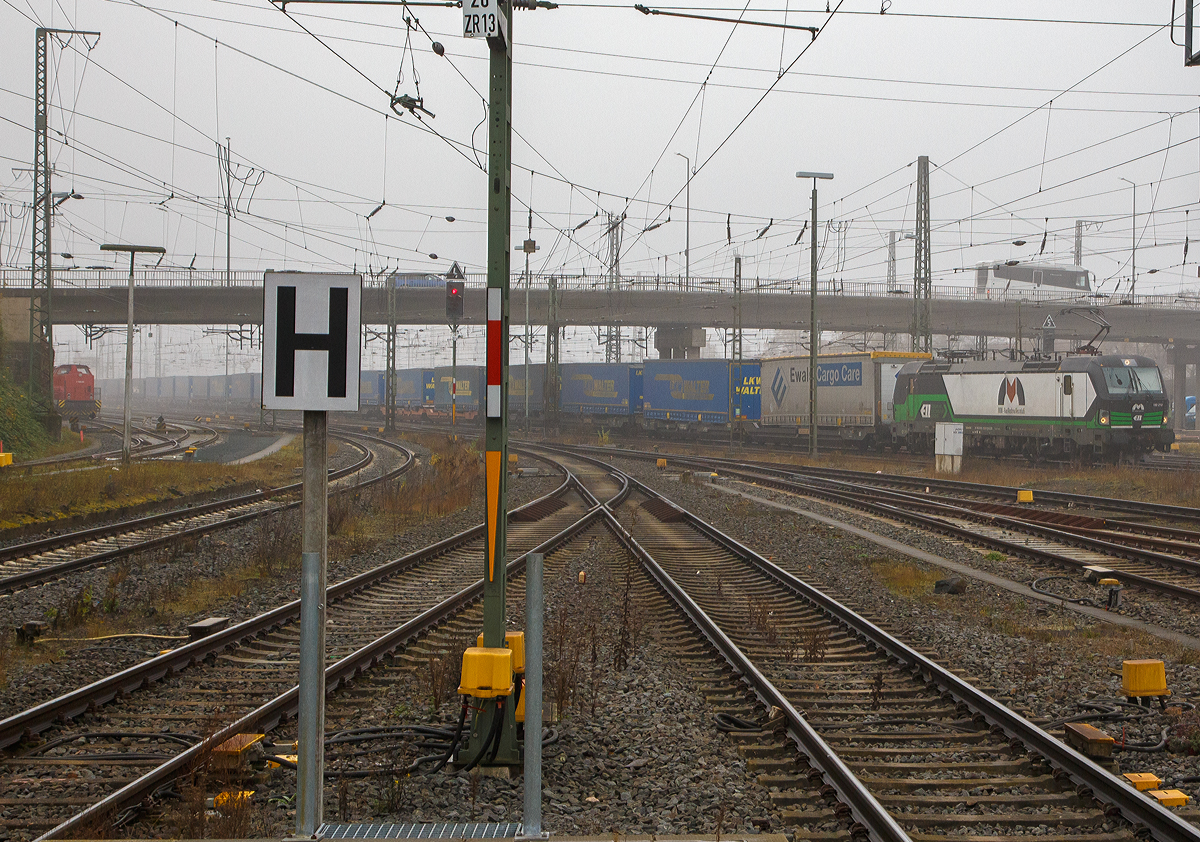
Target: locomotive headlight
1166, 418
1104, 417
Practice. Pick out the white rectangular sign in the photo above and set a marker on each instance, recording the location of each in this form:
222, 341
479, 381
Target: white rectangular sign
311, 327
484, 19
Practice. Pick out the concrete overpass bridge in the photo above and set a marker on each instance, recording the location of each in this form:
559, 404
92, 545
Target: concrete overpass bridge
672, 306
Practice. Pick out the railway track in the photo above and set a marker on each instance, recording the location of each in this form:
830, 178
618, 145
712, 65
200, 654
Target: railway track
854, 730
144, 444
243, 678
35, 562
891, 745
1158, 558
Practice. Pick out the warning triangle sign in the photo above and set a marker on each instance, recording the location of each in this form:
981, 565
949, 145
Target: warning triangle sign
455, 273
1049, 323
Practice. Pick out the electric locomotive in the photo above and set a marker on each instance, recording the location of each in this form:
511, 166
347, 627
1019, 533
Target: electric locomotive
75, 391
1089, 408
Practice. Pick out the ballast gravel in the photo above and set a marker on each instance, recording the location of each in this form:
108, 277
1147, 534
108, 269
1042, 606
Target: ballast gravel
1045, 662
124, 598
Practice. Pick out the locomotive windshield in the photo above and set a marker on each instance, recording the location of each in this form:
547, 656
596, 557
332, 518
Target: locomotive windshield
1126, 381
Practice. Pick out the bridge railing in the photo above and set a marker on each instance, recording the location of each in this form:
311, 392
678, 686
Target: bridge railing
18, 280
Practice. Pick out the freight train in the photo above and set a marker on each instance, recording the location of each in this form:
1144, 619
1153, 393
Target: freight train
1085, 408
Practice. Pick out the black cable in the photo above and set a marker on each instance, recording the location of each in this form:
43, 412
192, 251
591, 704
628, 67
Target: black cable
1034, 587
727, 723
444, 759
493, 735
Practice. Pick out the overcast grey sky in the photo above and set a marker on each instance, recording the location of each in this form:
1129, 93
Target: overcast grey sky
1030, 112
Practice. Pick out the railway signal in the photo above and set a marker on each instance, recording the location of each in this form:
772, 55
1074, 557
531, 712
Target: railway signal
454, 302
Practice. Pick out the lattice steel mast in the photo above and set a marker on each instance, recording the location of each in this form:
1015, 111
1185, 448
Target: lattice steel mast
41, 287
922, 330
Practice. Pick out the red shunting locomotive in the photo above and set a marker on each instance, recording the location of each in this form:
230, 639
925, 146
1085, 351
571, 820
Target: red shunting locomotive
75, 391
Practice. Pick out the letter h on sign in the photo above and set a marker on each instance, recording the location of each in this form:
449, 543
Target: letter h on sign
289, 342
311, 327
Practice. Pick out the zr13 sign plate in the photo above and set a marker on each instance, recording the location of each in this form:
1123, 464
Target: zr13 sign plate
484, 19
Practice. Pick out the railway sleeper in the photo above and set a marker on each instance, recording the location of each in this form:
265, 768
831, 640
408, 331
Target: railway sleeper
1118, 836
997, 767
1061, 818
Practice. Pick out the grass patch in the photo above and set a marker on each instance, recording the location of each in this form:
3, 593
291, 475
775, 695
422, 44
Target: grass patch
905, 578
444, 483
19, 427
32, 498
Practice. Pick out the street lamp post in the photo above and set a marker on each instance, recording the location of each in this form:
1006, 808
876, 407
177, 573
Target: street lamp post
133, 251
814, 333
1133, 268
687, 243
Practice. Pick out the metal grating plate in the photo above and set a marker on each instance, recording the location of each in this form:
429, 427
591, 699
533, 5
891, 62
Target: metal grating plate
429, 830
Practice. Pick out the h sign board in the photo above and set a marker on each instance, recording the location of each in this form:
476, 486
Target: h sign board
311, 326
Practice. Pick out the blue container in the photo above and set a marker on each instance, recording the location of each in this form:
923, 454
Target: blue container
370, 388
430, 385
243, 388
747, 390
686, 390
516, 388
411, 385
600, 388
471, 382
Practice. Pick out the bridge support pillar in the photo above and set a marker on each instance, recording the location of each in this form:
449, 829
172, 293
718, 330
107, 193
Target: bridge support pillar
679, 343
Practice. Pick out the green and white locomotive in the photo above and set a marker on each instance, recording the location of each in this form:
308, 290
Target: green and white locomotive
1088, 408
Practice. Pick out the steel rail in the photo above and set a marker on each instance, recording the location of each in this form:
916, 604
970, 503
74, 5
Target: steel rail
1133, 806
10, 584
860, 500
866, 810
1002, 493
285, 705
36, 719
1078, 539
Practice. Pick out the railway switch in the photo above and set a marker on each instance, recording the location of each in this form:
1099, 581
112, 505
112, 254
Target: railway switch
487, 673
1144, 679
1143, 781
515, 641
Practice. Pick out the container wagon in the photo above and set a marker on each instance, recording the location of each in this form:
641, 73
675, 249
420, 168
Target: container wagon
517, 388
854, 394
371, 388
471, 380
601, 389
679, 393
